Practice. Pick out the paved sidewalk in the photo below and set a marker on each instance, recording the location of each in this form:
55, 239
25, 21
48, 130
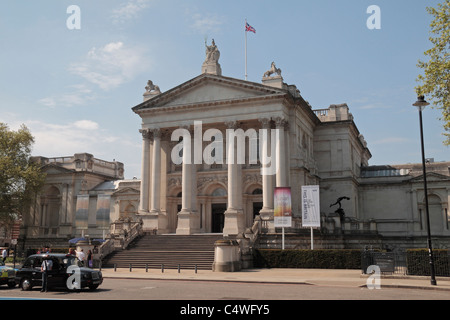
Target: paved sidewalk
321, 277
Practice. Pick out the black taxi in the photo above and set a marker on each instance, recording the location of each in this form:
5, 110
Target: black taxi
66, 272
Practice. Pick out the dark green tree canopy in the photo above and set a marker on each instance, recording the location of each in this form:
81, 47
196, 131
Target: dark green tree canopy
434, 82
20, 178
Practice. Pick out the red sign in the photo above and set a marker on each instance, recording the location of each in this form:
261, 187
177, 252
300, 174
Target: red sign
15, 230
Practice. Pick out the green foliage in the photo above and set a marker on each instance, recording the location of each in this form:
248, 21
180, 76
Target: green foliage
436, 71
314, 259
418, 262
20, 178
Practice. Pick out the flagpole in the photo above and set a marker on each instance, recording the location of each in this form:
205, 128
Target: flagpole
245, 51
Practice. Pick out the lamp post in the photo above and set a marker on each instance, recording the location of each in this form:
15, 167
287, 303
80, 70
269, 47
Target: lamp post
421, 104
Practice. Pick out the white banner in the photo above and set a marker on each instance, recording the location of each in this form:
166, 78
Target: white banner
310, 206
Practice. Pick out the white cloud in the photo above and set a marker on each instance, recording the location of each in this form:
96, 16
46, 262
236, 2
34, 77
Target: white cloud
129, 10
111, 65
86, 125
57, 140
204, 22
76, 95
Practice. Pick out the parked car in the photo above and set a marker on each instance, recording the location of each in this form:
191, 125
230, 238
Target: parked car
64, 266
7, 275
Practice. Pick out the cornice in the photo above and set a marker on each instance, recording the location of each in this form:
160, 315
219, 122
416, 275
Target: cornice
165, 97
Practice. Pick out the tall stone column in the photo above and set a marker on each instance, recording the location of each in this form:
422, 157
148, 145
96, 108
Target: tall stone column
156, 172
267, 151
144, 196
234, 215
281, 178
267, 180
188, 217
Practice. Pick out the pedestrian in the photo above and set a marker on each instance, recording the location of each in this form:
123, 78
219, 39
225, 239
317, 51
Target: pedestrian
81, 256
89, 259
4, 254
46, 266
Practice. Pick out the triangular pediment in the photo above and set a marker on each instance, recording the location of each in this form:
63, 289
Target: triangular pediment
50, 169
431, 177
126, 191
210, 89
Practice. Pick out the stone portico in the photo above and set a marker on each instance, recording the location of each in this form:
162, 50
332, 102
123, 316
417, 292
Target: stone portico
209, 189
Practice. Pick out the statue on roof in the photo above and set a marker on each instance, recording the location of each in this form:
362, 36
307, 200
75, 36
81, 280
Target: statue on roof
151, 87
211, 64
273, 69
212, 53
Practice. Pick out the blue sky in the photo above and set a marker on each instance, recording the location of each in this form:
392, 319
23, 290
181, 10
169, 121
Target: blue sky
74, 89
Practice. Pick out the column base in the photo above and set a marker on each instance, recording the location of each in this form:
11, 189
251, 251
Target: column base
154, 221
226, 256
267, 221
234, 222
188, 222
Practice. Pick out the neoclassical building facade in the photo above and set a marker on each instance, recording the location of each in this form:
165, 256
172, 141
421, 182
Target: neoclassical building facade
214, 149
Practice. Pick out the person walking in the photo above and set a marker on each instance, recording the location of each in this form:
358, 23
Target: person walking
46, 266
89, 259
81, 256
4, 254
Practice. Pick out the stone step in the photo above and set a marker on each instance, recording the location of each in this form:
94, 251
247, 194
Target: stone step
153, 251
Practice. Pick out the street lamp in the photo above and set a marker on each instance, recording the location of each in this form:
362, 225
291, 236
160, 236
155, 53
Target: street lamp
421, 104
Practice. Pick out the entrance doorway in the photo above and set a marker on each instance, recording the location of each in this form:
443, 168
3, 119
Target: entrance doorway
257, 206
217, 217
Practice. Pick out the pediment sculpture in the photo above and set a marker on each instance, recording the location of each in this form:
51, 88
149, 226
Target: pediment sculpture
212, 53
151, 88
273, 69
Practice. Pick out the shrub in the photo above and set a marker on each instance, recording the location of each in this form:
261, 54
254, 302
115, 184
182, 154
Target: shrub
318, 259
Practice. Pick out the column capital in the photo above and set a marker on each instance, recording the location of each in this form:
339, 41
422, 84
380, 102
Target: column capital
265, 122
280, 122
145, 134
232, 124
156, 132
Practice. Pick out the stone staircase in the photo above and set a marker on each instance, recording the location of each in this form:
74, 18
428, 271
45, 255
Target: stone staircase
153, 251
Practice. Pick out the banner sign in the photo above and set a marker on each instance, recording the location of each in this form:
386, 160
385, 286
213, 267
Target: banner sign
282, 207
310, 206
103, 211
82, 212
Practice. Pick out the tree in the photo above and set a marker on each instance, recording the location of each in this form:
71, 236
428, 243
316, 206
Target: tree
436, 71
20, 178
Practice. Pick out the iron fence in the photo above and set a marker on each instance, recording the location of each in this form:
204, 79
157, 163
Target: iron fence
409, 262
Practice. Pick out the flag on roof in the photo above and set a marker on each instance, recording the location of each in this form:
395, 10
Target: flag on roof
249, 28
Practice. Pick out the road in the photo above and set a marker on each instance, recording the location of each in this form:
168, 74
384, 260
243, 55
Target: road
134, 289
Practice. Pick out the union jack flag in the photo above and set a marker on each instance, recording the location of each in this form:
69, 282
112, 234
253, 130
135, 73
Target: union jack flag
249, 28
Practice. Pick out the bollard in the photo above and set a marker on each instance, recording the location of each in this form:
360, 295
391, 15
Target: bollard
195, 268
115, 267
130, 267
162, 268
178, 268
146, 267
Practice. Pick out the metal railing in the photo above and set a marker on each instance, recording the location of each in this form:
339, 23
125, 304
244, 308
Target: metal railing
414, 262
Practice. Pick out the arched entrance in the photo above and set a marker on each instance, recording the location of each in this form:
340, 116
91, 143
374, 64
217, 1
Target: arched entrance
218, 207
